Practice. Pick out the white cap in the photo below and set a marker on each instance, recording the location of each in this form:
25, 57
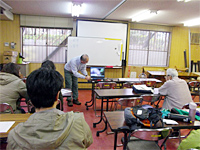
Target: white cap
192, 105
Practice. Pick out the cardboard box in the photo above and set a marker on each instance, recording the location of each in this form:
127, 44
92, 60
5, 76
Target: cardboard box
133, 71
10, 53
7, 59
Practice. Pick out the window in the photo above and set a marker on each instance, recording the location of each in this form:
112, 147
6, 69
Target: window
148, 48
39, 44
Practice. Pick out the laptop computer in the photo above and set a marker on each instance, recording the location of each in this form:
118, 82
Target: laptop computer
97, 73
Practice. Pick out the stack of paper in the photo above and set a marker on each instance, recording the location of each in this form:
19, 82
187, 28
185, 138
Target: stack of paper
169, 121
5, 126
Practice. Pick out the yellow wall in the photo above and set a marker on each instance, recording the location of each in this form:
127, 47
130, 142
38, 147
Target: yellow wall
10, 32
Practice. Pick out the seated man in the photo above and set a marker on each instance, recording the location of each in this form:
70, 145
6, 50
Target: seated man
176, 91
49, 128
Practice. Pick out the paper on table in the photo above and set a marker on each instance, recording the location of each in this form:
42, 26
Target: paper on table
64, 91
5, 126
169, 121
143, 87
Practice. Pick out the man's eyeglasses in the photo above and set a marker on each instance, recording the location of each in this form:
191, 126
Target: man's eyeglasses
167, 76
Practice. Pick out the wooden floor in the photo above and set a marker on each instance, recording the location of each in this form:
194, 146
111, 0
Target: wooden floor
104, 141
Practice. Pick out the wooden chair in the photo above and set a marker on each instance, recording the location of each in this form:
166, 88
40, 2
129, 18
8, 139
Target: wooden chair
143, 139
194, 87
129, 102
150, 98
6, 106
130, 84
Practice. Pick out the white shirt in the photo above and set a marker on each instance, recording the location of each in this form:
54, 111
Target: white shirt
75, 65
177, 93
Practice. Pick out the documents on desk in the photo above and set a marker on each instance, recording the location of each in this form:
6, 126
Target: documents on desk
5, 126
138, 79
169, 121
142, 89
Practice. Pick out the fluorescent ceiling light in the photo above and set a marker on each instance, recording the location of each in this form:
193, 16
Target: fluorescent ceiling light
192, 22
76, 9
144, 15
183, 0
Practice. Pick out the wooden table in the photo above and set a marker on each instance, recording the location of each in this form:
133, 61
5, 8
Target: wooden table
18, 118
161, 74
118, 81
115, 121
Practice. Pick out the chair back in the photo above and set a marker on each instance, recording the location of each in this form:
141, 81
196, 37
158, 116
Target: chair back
106, 85
6, 106
194, 85
130, 84
129, 102
151, 134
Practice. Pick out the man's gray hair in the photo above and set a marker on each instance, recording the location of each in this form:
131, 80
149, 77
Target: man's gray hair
84, 57
172, 72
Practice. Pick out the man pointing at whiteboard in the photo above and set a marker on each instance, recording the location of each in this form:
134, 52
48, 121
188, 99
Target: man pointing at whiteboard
71, 76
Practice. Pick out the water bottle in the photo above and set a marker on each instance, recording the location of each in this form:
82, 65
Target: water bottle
192, 110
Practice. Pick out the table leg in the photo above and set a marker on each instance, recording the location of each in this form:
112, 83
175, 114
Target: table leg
92, 99
115, 140
101, 117
98, 132
125, 140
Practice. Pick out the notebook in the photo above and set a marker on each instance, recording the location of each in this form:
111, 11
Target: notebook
97, 72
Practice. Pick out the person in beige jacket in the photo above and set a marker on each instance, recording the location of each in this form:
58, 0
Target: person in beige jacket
11, 86
49, 128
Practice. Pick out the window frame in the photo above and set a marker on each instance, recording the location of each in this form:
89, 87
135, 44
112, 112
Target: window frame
168, 49
47, 46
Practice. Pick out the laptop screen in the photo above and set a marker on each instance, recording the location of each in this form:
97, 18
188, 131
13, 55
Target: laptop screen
97, 72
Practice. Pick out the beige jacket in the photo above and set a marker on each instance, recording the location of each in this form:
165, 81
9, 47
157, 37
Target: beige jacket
177, 93
11, 89
51, 129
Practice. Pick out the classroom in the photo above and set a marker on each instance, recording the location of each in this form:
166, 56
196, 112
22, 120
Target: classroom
112, 36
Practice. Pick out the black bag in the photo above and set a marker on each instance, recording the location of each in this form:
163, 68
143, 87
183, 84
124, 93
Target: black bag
144, 115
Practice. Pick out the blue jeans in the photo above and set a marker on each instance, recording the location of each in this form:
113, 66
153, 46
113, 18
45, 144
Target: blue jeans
71, 82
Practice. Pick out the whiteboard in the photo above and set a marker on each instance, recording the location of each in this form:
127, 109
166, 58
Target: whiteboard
101, 51
103, 30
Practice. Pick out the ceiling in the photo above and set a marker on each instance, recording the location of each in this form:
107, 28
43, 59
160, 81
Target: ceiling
171, 12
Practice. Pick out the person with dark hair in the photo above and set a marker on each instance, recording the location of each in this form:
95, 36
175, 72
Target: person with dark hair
71, 76
11, 86
49, 128
50, 65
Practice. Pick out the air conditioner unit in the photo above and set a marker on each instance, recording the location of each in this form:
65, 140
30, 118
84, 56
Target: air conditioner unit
6, 15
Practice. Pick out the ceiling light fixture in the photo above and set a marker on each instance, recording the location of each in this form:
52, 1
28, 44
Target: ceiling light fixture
183, 1
76, 9
193, 22
144, 15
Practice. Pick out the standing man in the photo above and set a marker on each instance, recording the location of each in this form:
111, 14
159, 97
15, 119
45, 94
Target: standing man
71, 76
